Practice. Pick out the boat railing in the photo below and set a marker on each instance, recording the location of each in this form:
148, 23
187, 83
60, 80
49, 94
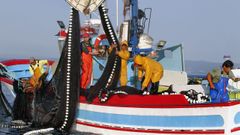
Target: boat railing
98, 62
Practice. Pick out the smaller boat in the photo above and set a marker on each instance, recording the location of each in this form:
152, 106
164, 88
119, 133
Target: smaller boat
11, 70
19, 68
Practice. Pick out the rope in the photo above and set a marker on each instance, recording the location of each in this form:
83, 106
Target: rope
13, 126
39, 131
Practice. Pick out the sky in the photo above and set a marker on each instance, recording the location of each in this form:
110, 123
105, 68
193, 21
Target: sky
207, 29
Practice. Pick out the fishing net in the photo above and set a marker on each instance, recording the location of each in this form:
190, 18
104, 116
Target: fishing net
110, 75
55, 102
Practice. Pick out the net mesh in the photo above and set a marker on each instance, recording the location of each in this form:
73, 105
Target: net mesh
58, 98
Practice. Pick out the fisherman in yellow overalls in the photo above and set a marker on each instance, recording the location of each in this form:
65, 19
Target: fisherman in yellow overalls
153, 72
36, 69
124, 54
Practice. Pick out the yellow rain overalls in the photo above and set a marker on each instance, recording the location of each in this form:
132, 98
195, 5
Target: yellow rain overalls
153, 70
124, 54
37, 70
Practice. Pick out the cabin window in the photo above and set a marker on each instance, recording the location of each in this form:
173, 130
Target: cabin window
168, 54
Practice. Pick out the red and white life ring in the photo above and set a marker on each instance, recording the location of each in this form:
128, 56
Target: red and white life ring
62, 34
99, 39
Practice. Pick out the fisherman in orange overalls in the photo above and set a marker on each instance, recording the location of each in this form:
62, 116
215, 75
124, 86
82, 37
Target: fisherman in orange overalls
87, 61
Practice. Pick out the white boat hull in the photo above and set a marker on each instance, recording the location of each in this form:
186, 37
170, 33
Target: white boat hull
209, 119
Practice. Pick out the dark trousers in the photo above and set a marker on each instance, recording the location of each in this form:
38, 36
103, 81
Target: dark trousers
154, 87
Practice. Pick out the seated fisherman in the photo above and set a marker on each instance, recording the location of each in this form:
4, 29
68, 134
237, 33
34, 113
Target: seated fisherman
153, 72
124, 55
36, 69
218, 81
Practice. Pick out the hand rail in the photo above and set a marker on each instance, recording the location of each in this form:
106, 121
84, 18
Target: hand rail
100, 63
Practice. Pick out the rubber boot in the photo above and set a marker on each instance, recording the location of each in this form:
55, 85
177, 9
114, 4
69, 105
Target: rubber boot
154, 88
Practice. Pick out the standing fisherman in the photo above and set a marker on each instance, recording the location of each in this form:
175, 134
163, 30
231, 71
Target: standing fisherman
124, 54
87, 60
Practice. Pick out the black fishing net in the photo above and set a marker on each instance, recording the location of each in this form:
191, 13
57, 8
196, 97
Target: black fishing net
55, 103
113, 65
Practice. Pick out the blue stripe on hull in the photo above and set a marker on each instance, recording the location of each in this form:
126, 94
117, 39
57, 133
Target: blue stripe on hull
237, 118
19, 67
153, 121
22, 71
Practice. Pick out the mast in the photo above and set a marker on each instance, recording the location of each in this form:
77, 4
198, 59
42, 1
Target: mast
117, 6
134, 27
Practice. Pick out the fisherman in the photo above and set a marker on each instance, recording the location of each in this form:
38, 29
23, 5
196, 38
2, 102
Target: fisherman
153, 72
87, 61
103, 51
218, 81
36, 69
24, 88
124, 54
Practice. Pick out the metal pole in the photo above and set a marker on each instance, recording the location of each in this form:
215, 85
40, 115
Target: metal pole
117, 12
182, 55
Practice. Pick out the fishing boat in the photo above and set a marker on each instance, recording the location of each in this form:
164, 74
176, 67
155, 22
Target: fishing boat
152, 114
156, 114
117, 111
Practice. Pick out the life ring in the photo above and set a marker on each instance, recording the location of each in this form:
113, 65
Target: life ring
62, 34
99, 39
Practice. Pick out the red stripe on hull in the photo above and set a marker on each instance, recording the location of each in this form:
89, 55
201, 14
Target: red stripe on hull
127, 129
235, 129
154, 101
15, 62
6, 80
19, 62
